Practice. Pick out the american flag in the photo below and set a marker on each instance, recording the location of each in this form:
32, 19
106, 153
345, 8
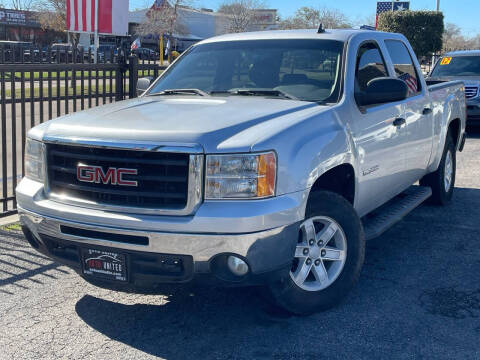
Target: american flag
383, 6
112, 19
411, 82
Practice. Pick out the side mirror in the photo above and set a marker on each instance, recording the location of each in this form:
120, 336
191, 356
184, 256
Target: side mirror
143, 84
383, 90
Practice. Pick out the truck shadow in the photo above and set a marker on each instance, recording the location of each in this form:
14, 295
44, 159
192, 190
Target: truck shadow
20, 262
400, 288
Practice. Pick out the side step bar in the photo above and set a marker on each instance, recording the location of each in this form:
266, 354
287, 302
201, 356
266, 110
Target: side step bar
383, 218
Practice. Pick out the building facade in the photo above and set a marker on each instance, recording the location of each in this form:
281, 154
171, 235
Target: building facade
18, 25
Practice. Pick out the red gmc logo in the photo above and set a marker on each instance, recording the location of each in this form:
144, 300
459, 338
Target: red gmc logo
114, 176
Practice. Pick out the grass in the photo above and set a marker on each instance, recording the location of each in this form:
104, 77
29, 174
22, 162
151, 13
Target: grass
61, 74
11, 227
61, 91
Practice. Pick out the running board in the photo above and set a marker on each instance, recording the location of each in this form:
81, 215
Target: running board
383, 218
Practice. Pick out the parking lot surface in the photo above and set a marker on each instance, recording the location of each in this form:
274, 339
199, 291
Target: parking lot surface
418, 297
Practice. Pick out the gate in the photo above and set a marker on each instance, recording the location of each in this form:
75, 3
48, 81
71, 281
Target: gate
34, 89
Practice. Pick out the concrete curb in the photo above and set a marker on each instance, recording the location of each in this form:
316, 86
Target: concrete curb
9, 220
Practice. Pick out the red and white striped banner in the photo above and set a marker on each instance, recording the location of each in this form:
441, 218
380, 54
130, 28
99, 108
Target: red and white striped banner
111, 19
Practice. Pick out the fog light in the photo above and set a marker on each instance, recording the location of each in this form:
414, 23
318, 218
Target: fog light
237, 265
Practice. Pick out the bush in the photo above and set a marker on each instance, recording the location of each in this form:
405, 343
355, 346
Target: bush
424, 29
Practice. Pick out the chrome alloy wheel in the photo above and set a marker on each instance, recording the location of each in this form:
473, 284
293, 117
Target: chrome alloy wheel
320, 254
448, 175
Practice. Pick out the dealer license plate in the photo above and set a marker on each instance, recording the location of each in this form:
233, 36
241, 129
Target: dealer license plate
104, 264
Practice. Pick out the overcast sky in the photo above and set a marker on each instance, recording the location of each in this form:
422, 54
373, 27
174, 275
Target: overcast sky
463, 13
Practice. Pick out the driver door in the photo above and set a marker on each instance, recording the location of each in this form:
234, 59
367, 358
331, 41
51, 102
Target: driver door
376, 136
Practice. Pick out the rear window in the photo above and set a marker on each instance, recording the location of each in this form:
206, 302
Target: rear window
403, 64
457, 66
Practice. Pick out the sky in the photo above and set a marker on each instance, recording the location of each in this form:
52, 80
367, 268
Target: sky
463, 13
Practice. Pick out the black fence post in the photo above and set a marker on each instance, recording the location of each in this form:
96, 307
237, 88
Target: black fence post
120, 74
132, 76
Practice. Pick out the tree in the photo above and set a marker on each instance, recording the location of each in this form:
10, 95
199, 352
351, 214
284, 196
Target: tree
164, 19
310, 18
240, 14
20, 4
52, 14
454, 40
423, 29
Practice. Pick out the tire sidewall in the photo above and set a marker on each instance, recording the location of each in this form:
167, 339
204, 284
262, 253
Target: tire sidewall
297, 300
446, 196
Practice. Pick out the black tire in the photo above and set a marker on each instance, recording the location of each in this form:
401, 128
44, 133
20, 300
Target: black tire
436, 180
298, 301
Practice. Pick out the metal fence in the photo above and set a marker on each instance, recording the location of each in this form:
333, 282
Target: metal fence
39, 88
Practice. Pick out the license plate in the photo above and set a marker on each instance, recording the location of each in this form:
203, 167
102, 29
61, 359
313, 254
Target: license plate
108, 265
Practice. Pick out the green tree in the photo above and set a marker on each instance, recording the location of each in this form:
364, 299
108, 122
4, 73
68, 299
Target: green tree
424, 29
311, 17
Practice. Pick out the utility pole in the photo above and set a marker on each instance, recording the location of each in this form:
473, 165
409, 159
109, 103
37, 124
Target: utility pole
438, 5
95, 41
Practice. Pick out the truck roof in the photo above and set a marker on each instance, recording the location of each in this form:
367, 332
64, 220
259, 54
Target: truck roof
463, 53
337, 34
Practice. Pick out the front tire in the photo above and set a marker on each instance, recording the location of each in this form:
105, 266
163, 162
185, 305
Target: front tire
442, 181
328, 257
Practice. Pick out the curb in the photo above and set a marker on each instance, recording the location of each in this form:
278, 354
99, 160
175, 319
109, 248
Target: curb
7, 220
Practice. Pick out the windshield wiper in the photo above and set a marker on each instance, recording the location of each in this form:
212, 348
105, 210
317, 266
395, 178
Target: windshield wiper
180, 92
257, 92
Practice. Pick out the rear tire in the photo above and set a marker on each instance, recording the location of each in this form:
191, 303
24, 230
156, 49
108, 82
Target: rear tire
328, 258
442, 181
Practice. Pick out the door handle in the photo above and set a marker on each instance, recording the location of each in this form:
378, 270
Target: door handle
427, 111
399, 122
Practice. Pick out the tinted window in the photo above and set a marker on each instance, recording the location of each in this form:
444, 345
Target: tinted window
403, 64
457, 66
307, 69
370, 65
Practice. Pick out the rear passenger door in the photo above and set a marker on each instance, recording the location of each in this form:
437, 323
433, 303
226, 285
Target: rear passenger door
417, 113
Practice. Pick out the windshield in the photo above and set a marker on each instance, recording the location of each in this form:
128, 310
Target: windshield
305, 69
457, 66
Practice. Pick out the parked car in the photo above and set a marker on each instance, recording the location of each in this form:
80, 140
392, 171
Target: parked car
107, 52
64, 52
463, 66
145, 54
247, 163
13, 50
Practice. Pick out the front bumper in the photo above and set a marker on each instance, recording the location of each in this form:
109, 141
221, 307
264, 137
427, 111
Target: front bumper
473, 112
264, 233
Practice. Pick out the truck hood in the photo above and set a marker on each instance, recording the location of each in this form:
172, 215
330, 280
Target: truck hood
216, 124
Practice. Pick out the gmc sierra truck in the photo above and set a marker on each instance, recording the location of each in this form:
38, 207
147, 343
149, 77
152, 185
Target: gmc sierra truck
255, 159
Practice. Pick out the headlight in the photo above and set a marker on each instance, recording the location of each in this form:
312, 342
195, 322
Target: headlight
241, 176
34, 160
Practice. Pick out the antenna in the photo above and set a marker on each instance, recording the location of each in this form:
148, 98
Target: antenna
320, 30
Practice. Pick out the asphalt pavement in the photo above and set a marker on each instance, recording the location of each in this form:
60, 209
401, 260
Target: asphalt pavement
418, 297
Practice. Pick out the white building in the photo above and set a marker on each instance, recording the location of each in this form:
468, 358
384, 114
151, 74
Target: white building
201, 24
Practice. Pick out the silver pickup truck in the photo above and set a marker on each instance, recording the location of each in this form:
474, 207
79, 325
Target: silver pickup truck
255, 159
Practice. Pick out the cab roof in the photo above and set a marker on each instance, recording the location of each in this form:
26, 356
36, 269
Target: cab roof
304, 34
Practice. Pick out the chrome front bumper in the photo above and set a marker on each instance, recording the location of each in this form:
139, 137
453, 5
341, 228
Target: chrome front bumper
264, 251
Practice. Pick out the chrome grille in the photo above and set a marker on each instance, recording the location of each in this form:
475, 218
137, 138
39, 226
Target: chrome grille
471, 91
162, 177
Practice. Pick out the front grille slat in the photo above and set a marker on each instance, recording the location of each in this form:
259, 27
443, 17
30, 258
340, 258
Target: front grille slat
118, 192
471, 91
115, 159
162, 178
